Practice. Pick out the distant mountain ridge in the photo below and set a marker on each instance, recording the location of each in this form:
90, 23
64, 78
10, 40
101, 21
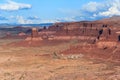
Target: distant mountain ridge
114, 19
26, 25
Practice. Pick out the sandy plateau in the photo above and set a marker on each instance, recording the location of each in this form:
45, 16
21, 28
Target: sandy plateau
42, 63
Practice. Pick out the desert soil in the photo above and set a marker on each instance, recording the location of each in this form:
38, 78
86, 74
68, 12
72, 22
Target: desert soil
34, 63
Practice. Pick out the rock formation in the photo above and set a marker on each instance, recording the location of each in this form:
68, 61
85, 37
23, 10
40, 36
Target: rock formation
34, 36
34, 33
22, 34
83, 31
94, 39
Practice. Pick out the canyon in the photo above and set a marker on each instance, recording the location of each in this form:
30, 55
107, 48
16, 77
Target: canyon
85, 50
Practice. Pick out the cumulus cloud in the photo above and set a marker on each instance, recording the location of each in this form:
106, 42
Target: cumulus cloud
93, 6
21, 20
111, 11
49, 21
66, 19
107, 8
13, 6
32, 20
114, 9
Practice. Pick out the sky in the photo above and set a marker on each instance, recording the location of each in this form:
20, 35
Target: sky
51, 11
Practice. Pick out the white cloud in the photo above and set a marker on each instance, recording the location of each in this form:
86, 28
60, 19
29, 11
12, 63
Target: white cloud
69, 19
92, 6
66, 19
114, 9
106, 8
21, 20
111, 11
49, 21
12, 6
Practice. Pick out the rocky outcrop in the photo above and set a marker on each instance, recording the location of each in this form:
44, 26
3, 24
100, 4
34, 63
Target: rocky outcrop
87, 31
33, 39
34, 35
22, 34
